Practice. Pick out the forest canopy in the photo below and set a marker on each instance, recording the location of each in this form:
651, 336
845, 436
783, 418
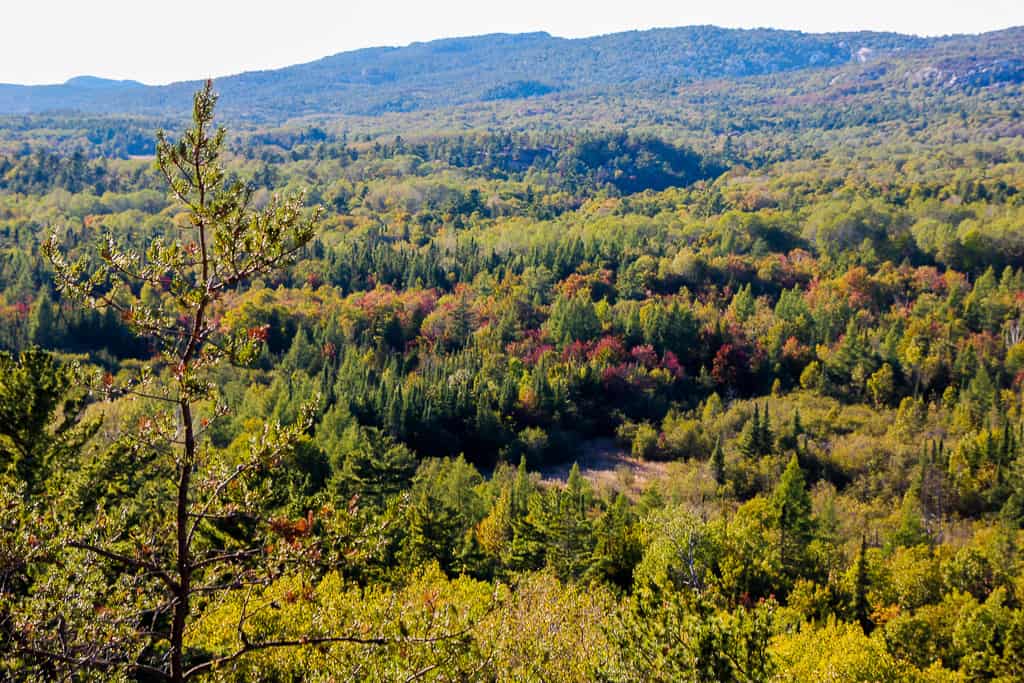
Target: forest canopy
708, 380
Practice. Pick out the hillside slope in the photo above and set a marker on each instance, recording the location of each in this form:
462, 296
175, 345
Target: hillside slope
460, 70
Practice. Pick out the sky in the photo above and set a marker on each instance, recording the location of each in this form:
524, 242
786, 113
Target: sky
49, 41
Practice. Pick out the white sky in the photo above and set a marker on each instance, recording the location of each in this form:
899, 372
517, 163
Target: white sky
48, 41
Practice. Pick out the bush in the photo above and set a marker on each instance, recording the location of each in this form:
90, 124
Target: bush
645, 442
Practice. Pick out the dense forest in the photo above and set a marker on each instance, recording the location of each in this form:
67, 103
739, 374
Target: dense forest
715, 377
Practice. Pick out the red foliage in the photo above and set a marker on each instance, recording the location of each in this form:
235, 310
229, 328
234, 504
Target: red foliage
793, 350
730, 363
258, 333
577, 351
859, 287
607, 350
671, 363
616, 378
929, 279
531, 348
645, 355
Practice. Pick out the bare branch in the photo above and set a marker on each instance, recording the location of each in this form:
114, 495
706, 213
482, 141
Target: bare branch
271, 644
90, 662
132, 562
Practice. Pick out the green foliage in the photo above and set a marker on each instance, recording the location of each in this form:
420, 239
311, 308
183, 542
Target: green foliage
573, 320
645, 441
670, 637
756, 440
142, 576
811, 363
41, 426
793, 506
836, 651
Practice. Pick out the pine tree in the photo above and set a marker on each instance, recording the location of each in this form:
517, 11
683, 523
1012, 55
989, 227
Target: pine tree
372, 465
757, 439
748, 441
617, 548
718, 462
302, 354
793, 508
495, 530
861, 608
461, 327
570, 541
712, 408
469, 558
226, 242
42, 323
431, 533
743, 305
665, 636
41, 421
530, 532
522, 488
765, 436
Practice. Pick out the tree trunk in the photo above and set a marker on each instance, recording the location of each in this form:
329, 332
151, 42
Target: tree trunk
184, 562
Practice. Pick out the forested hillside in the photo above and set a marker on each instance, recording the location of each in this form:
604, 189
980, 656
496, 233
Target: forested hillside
501, 66
700, 368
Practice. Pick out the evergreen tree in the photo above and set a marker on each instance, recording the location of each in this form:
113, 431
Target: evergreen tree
302, 354
573, 319
371, 465
757, 439
765, 435
718, 462
43, 323
667, 637
861, 607
617, 548
748, 441
151, 575
41, 421
743, 304
469, 558
570, 541
432, 533
530, 532
911, 530
793, 509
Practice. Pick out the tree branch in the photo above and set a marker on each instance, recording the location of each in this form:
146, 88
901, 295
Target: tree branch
133, 562
270, 644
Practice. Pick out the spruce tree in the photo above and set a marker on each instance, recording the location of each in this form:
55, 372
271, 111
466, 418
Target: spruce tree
570, 542
718, 462
42, 323
41, 420
861, 607
793, 508
530, 532
765, 435
748, 440
617, 548
757, 438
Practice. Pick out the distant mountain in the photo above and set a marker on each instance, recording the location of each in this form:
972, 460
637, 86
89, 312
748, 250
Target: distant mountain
97, 83
502, 66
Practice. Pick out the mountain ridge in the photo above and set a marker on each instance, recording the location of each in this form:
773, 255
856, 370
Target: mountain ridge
460, 70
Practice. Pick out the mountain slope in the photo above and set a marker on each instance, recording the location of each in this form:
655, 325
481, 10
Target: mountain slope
460, 70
